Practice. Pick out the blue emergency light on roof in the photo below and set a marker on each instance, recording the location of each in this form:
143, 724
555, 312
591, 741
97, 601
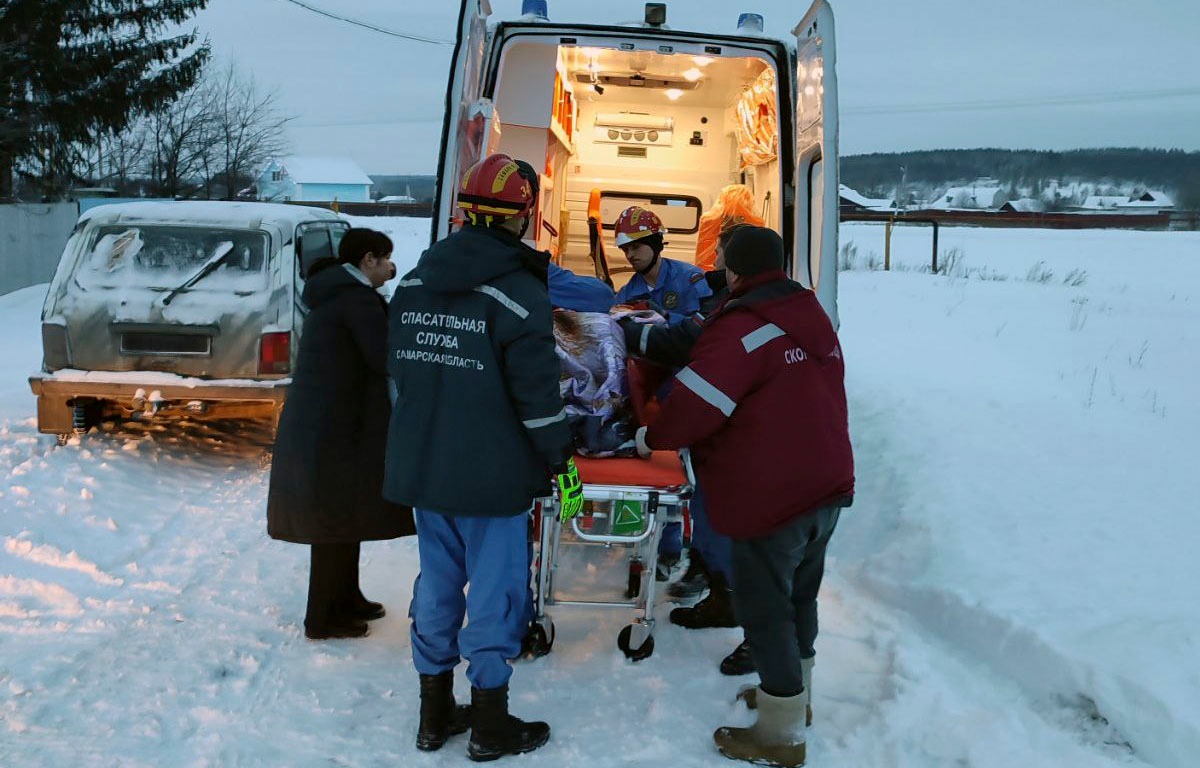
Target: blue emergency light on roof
750, 22
537, 8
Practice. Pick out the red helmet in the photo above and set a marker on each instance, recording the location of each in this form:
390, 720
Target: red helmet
495, 189
636, 222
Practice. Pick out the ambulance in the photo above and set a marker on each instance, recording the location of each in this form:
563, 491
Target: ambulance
640, 113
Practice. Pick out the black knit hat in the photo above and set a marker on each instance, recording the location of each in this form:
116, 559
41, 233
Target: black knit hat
754, 250
655, 242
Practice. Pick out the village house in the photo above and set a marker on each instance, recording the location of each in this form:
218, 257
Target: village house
313, 179
984, 194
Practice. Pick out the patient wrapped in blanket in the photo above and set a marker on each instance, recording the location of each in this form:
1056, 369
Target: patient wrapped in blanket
594, 384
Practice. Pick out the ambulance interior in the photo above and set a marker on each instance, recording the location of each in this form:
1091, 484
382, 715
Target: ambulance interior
612, 128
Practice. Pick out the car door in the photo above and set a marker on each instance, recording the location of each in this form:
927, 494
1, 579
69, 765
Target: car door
816, 172
466, 124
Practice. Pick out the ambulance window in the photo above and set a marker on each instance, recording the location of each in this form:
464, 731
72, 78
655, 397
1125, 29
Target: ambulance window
816, 218
680, 213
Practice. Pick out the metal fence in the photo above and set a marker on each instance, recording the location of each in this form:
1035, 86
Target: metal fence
417, 210
32, 236
1185, 220
1016, 219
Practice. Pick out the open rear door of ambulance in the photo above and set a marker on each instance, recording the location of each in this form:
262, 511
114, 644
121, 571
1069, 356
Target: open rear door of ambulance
465, 127
816, 181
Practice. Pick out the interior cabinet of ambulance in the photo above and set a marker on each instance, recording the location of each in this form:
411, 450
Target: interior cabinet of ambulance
538, 114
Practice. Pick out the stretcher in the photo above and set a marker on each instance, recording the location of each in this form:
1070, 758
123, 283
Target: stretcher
629, 503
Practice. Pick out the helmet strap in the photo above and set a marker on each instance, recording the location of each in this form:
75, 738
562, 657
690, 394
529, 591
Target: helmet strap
649, 267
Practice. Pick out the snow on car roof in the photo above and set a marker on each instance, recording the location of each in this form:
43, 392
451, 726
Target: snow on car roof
242, 215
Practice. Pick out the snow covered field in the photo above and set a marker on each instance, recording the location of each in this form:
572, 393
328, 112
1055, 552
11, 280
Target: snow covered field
1015, 584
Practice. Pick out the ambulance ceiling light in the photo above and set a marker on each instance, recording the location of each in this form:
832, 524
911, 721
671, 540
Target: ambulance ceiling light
538, 9
692, 75
673, 93
702, 61
634, 120
751, 22
635, 80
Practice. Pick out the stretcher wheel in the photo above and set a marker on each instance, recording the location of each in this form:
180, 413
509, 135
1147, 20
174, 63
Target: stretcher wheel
538, 640
634, 654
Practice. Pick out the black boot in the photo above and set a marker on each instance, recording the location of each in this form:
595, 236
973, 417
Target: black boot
716, 610
366, 610
693, 581
740, 662
495, 733
340, 629
440, 717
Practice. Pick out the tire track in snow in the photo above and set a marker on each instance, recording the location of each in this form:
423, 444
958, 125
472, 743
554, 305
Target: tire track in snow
888, 538
45, 554
185, 538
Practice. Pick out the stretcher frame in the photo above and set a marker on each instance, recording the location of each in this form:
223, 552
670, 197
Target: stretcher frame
661, 505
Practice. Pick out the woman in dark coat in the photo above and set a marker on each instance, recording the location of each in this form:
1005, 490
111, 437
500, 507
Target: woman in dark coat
327, 471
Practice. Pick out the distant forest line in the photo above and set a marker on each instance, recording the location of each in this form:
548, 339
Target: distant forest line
927, 172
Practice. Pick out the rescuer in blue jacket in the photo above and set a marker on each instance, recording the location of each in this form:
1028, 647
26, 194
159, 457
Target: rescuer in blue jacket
673, 285
577, 292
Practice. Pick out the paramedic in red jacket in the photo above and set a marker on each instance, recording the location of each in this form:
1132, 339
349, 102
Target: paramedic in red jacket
762, 404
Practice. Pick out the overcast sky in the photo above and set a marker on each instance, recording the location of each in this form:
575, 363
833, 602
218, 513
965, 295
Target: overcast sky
913, 74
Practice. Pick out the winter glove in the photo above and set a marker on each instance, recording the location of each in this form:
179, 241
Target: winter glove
570, 490
640, 438
632, 331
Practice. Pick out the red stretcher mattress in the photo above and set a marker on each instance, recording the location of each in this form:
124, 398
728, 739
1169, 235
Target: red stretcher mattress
663, 470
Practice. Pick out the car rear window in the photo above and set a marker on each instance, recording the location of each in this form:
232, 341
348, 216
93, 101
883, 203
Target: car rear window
162, 256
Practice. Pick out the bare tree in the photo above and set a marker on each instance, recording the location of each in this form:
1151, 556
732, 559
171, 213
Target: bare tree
248, 128
181, 137
124, 155
217, 133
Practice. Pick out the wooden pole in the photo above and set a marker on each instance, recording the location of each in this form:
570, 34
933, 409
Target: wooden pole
887, 245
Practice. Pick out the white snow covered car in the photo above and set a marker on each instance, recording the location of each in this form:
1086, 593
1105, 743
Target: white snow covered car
192, 307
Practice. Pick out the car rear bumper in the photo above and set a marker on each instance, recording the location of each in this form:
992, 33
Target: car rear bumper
143, 391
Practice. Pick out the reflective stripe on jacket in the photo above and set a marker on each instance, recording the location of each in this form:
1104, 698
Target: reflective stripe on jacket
478, 421
762, 404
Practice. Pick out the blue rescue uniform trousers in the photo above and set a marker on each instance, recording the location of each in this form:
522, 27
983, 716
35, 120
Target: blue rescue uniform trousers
487, 556
671, 542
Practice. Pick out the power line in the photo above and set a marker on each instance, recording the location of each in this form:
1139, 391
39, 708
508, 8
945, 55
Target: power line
367, 25
1056, 101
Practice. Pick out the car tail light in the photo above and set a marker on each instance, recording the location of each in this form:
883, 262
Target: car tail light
275, 353
56, 352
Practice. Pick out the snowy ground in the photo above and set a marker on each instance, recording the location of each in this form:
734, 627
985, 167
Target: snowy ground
1014, 585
